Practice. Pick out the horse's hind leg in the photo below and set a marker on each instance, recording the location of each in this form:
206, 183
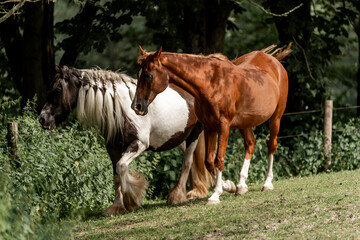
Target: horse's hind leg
274, 124
178, 193
249, 142
200, 178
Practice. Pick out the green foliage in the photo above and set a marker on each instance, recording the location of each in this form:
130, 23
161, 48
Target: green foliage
19, 220
167, 172
345, 147
62, 171
300, 156
97, 23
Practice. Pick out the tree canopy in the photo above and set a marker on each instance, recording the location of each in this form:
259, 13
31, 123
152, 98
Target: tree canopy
107, 34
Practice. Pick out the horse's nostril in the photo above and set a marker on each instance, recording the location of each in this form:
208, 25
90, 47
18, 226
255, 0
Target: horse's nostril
138, 106
42, 120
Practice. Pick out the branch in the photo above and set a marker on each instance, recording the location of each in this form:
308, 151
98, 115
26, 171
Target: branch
14, 9
274, 14
306, 61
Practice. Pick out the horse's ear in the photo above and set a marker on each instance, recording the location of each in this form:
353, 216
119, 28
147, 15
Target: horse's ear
60, 70
157, 53
57, 68
142, 51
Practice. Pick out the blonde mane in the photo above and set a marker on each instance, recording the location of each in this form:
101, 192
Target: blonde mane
99, 100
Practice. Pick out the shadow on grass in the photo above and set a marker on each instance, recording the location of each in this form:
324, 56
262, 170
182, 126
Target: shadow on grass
150, 206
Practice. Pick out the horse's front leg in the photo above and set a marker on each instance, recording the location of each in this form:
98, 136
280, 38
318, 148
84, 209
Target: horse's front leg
133, 186
219, 161
118, 206
210, 146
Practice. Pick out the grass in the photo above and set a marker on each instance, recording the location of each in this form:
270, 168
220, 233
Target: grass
325, 206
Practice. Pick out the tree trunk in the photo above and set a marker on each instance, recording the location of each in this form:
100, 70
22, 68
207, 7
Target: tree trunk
194, 27
205, 26
357, 31
48, 43
13, 43
39, 60
358, 77
301, 17
217, 14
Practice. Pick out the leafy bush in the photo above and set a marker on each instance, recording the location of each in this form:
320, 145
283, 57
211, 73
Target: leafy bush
346, 146
300, 156
20, 220
62, 171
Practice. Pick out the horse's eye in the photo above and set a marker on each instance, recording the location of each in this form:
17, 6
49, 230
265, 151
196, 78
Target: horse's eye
148, 76
58, 90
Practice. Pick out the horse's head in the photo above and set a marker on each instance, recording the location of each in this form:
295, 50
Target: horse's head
152, 80
62, 97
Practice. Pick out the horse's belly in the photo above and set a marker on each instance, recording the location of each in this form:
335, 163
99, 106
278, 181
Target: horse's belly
169, 122
246, 120
254, 111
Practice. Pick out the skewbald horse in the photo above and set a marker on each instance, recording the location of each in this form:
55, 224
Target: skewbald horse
241, 94
102, 98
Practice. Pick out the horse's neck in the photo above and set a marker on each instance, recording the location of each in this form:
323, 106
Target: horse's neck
185, 75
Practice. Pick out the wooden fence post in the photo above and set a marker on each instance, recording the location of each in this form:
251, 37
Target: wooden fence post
328, 132
12, 137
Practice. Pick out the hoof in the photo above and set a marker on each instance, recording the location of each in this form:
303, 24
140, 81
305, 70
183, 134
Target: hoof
196, 194
240, 190
267, 187
114, 210
229, 186
212, 202
176, 196
174, 201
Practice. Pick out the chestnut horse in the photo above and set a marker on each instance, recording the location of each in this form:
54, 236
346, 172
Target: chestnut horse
103, 98
241, 94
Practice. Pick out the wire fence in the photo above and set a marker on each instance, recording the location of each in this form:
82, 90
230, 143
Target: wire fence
285, 114
313, 111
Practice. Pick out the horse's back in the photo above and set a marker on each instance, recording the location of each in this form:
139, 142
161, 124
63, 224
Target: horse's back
262, 79
262, 62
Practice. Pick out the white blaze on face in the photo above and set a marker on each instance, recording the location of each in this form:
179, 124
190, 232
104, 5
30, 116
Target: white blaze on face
139, 74
45, 109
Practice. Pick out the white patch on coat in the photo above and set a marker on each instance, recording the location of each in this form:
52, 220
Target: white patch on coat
169, 114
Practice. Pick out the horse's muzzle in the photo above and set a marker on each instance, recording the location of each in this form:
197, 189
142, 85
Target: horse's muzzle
140, 108
46, 125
